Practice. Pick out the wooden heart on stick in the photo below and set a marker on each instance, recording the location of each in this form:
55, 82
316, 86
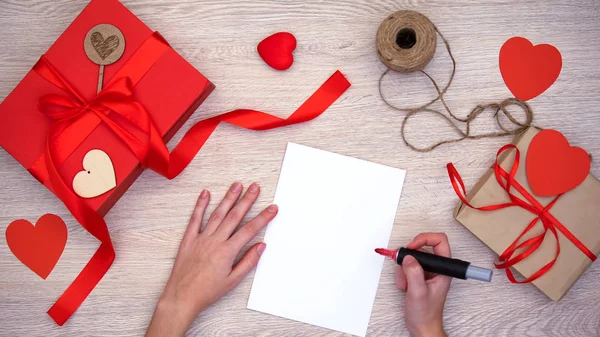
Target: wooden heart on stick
104, 44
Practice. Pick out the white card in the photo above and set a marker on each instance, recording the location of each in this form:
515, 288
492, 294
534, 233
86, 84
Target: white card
319, 266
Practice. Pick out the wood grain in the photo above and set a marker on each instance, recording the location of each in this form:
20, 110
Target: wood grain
219, 37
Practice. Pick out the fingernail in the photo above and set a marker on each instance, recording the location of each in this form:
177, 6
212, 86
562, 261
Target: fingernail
204, 194
261, 248
408, 260
253, 188
272, 209
236, 187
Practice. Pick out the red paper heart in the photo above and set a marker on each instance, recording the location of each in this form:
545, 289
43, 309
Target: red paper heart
528, 70
276, 50
553, 166
39, 247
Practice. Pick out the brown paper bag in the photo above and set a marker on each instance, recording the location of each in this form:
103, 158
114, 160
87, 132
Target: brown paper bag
578, 210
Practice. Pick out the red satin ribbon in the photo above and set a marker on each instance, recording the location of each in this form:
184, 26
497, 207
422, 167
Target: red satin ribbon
550, 223
74, 117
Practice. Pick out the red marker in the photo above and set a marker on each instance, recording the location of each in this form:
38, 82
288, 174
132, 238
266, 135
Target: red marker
439, 264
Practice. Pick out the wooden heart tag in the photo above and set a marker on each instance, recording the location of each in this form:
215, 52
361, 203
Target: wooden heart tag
98, 176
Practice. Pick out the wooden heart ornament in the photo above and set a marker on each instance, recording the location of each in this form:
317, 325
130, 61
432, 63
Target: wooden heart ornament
38, 247
528, 70
276, 50
98, 176
553, 166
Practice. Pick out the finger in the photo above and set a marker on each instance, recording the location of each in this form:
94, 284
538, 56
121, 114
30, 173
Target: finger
238, 212
221, 211
197, 215
439, 242
429, 275
440, 285
416, 289
400, 278
246, 264
249, 230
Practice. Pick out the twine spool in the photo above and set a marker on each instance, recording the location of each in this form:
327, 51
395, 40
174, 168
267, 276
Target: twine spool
406, 42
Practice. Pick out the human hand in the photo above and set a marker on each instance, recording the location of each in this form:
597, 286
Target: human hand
204, 268
425, 292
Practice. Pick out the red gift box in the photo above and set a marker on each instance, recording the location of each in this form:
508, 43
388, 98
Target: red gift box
170, 89
147, 96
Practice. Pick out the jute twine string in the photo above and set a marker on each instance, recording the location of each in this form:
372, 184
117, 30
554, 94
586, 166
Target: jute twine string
406, 42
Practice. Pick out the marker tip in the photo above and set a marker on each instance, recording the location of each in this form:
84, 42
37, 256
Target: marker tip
386, 252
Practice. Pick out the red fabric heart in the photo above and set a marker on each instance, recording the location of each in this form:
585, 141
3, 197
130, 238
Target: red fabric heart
276, 50
528, 70
553, 166
39, 247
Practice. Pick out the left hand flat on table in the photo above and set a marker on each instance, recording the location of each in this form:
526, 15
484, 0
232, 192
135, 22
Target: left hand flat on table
204, 268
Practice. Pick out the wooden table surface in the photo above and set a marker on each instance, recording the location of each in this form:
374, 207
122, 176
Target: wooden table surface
219, 38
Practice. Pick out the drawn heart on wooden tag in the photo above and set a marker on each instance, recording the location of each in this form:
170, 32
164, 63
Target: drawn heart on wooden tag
104, 47
553, 166
38, 247
98, 176
276, 50
528, 70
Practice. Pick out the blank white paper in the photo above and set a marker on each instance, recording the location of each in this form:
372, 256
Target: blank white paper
319, 266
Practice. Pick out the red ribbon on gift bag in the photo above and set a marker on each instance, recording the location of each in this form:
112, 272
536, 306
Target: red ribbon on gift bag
74, 118
550, 223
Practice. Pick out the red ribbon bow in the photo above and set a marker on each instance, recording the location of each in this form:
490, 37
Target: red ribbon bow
117, 97
550, 223
74, 117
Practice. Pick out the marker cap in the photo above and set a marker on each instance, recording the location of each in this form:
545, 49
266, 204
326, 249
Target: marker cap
478, 273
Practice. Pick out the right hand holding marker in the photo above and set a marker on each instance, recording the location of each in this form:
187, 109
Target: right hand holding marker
425, 293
